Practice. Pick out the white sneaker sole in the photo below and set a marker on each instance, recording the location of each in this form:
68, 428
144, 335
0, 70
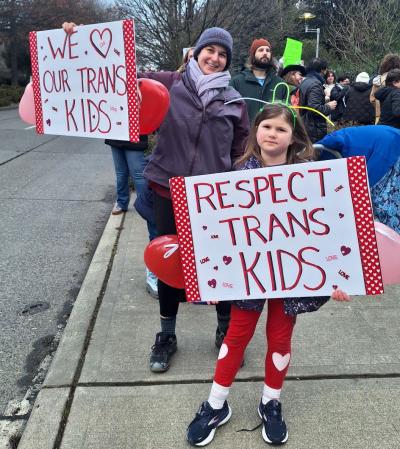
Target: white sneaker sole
265, 437
212, 433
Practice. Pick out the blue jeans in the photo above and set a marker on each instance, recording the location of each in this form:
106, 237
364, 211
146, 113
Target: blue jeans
128, 162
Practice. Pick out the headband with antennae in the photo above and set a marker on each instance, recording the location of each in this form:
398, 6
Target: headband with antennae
290, 107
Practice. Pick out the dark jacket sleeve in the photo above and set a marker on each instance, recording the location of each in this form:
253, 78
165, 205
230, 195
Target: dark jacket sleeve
396, 102
240, 134
316, 99
337, 93
166, 78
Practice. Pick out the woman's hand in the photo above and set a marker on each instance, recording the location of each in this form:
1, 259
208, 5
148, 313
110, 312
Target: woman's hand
68, 27
340, 295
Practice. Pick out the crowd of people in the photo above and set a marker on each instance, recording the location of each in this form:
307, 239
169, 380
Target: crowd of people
216, 123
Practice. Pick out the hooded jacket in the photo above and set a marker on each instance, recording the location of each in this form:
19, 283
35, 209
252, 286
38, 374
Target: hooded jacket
248, 86
389, 98
312, 95
193, 139
358, 106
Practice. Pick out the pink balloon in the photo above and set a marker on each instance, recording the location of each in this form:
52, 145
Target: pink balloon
27, 106
389, 253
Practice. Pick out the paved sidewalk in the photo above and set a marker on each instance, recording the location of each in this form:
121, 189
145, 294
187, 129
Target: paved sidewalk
343, 389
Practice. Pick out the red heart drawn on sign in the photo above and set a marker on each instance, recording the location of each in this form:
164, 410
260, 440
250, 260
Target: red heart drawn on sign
345, 250
48, 121
101, 41
216, 268
334, 287
227, 260
204, 227
341, 215
212, 283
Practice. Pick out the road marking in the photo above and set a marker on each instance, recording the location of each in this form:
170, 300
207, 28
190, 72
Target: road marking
30, 127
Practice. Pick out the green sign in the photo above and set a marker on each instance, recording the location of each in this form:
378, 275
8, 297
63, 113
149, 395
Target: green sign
292, 54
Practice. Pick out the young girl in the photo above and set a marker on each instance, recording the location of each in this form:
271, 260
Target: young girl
277, 137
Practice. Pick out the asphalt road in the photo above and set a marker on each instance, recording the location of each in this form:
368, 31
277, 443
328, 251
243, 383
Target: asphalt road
56, 194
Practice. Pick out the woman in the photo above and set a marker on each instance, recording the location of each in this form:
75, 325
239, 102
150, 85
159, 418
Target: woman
389, 62
330, 82
294, 75
186, 58
201, 134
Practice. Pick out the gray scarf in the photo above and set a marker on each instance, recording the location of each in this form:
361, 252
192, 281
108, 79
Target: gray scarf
207, 86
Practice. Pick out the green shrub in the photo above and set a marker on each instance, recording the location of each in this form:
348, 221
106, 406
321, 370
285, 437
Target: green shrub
10, 94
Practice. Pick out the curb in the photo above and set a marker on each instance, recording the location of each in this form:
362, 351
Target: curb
58, 385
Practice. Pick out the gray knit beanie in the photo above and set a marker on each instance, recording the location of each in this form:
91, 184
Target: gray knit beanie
216, 36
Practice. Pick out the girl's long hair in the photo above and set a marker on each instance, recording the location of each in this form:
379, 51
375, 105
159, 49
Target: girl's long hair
301, 150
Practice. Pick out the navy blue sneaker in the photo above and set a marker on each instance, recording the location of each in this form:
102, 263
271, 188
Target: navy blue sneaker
202, 429
274, 427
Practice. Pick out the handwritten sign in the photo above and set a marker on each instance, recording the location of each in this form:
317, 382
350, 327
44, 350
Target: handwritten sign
85, 82
287, 231
292, 53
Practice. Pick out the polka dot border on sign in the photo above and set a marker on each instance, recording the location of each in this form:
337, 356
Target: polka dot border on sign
36, 81
131, 81
182, 220
365, 225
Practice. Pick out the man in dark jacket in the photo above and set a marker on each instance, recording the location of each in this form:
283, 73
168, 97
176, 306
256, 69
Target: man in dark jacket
359, 110
259, 78
312, 95
338, 94
389, 98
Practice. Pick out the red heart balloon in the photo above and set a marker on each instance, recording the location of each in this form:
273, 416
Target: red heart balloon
154, 105
163, 257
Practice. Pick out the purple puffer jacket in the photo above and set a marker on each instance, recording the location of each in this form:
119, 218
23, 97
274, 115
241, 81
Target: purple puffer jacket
194, 140
293, 306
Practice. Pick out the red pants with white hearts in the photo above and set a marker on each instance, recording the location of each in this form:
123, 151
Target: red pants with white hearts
279, 329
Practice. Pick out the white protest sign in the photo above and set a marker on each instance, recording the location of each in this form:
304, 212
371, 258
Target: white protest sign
85, 82
286, 231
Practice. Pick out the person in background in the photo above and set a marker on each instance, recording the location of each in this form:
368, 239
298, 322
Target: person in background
338, 94
312, 95
389, 98
359, 110
129, 161
293, 75
186, 58
258, 79
389, 62
330, 81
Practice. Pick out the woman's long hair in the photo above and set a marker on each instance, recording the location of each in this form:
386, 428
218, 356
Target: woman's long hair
301, 150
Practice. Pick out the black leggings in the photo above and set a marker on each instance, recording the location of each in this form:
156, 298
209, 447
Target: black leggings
170, 297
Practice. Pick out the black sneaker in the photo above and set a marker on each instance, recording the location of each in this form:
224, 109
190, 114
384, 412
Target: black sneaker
274, 428
202, 429
219, 338
162, 351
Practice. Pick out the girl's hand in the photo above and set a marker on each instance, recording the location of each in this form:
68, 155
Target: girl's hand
340, 295
213, 303
68, 27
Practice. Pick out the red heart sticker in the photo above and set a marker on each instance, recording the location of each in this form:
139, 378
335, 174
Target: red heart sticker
345, 250
227, 260
212, 283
